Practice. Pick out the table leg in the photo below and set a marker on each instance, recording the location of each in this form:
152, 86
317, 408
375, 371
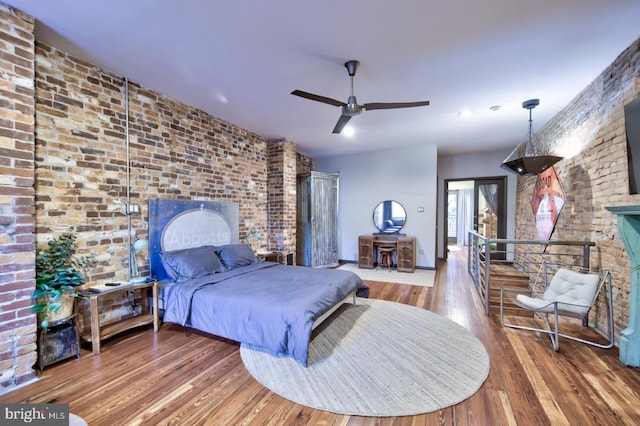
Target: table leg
156, 314
144, 294
95, 325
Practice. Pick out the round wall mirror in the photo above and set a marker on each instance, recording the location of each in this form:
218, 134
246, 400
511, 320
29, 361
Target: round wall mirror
389, 216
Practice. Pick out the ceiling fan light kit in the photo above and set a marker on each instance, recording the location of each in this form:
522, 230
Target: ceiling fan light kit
351, 108
530, 164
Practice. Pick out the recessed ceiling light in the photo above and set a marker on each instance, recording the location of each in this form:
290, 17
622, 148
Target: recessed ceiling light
348, 131
495, 108
464, 113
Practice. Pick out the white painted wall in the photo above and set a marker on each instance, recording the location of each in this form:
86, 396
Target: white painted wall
408, 176
470, 166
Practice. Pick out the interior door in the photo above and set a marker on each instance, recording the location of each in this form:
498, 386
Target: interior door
490, 206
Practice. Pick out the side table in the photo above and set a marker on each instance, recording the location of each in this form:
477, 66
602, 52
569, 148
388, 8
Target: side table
269, 256
100, 332
284, 258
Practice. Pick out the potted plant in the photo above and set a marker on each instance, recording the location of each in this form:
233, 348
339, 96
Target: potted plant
58, 276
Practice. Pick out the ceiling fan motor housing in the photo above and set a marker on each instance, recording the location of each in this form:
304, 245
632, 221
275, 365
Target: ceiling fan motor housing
352, 108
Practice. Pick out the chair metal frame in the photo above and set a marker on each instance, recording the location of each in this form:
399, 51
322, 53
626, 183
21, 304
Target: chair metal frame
557, 311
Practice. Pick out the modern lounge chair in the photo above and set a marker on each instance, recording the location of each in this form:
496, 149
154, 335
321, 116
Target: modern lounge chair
570, 293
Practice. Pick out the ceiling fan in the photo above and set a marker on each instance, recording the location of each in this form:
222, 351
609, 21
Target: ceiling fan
351, 108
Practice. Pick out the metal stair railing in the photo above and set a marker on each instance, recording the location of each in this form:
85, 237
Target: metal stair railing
525, 255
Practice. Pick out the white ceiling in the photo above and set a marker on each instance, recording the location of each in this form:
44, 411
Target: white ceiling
239, 60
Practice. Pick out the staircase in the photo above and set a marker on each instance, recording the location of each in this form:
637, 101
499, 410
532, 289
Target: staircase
507, 275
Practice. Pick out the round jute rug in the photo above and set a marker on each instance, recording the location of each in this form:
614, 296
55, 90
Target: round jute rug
378, 358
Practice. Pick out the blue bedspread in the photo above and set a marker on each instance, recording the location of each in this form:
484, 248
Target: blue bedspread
264, 304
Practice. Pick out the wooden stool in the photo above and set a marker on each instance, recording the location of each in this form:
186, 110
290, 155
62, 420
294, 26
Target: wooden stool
386, 253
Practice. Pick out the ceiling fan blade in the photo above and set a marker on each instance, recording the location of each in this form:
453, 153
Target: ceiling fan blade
392, 105
318, 98
342, 121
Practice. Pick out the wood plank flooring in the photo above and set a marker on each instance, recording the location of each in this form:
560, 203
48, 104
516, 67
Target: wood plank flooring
182, 377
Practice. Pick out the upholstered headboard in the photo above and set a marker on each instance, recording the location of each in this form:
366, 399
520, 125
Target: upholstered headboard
180, 224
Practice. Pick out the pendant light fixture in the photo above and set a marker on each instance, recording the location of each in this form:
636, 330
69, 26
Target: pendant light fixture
530, 164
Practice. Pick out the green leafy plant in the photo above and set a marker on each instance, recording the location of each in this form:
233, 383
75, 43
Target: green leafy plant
57, 272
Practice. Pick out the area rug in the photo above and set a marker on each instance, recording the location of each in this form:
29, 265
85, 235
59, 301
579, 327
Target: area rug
378, 358
423, 277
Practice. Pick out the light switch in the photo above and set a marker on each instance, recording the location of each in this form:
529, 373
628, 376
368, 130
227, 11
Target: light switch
133, 209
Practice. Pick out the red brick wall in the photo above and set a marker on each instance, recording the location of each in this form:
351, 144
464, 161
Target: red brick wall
590, 134
176, 151
17, 249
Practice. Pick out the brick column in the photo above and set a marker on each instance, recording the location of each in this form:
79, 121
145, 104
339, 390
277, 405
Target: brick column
281, 178
17, 200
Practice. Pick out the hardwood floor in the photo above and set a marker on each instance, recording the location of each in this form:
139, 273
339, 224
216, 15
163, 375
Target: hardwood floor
182, 377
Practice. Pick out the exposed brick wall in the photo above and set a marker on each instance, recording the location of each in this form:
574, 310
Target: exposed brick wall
176, 151
17, 244
590, 134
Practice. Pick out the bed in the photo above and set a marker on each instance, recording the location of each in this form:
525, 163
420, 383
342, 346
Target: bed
211, 282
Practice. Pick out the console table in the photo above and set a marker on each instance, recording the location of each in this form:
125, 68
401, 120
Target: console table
405, 251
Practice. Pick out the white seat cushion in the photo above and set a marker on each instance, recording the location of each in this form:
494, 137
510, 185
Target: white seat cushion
534, 303
573, 291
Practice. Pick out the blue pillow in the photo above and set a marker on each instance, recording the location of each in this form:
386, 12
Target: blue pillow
236, 255
182, 265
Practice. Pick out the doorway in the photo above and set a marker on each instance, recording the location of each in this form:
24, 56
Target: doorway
477, 204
